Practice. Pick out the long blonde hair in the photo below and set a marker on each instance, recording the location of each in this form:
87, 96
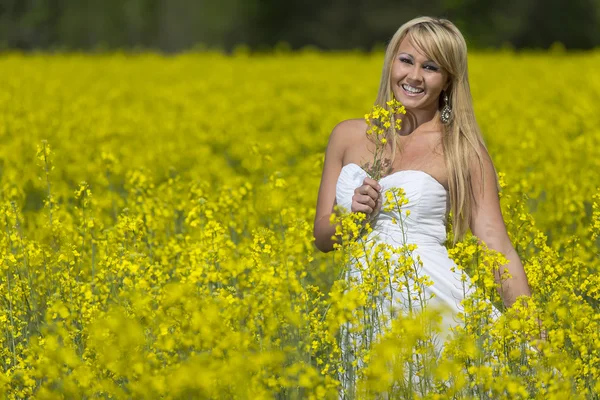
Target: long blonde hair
462, 141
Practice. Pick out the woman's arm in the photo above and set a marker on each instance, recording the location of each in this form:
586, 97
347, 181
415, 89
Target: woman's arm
488, 225
323, 231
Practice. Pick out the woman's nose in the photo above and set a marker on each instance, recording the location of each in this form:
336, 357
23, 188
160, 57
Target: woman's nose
415, 75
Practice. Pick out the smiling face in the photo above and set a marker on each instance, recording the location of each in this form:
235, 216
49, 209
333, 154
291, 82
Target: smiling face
416, 80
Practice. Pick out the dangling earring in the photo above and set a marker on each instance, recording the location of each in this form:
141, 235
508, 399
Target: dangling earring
446, 111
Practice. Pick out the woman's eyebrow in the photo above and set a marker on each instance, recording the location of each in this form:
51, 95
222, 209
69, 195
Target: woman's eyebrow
411, 56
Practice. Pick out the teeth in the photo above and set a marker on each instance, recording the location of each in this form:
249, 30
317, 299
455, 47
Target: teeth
411, 89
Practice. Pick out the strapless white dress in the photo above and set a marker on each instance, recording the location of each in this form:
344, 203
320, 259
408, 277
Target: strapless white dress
429, 203
425, 226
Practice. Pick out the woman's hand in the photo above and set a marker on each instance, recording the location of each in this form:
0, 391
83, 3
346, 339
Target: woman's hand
367, 198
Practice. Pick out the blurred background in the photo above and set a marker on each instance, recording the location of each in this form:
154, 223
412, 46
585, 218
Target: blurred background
176, 25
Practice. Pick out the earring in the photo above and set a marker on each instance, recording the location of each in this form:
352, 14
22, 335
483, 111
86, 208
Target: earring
446, 111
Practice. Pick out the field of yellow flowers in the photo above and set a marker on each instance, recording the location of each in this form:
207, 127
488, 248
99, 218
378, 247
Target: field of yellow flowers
156, 216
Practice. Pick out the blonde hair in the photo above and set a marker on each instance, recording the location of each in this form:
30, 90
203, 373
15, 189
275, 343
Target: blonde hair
462, 141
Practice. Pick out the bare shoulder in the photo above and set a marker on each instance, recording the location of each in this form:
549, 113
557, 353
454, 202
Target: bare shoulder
485, 161
483, 170
350, 129
346, 133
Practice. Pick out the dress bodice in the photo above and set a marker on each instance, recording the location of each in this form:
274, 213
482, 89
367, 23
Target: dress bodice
428, 202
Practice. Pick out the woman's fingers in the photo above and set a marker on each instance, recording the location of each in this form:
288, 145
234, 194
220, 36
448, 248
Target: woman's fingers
368, 200
363, 203
358, 206
373, 183
370, 187
367, 197
364, 208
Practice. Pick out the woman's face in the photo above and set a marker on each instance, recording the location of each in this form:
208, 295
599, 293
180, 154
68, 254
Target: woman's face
417, 81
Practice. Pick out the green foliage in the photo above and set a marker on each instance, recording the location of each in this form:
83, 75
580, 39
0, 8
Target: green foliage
173, 25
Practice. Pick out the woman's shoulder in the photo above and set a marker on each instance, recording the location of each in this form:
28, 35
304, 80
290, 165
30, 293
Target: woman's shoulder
346, 134
348, 131
351, 127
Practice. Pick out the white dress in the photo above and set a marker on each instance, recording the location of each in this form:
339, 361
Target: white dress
428, 202
425, 227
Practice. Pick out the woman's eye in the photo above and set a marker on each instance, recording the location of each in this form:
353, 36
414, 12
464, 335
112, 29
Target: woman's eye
405, 60
431, 67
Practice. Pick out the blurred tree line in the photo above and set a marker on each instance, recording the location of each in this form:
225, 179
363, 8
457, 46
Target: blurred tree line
173, 25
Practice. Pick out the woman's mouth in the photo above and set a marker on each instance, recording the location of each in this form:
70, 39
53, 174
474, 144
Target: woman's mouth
411, 90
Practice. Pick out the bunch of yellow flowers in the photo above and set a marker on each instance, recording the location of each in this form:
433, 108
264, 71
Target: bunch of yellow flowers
379, 122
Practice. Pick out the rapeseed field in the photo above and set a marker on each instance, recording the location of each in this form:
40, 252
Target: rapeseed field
156, 216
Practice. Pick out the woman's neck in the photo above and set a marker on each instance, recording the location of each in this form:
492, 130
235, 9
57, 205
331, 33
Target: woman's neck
421, 119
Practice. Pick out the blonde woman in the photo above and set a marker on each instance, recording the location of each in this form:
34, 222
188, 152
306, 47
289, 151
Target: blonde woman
438, 157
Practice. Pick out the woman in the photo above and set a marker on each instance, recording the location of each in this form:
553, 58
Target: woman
443, 163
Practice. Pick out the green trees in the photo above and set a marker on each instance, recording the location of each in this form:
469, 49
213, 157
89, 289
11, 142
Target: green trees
173, 25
